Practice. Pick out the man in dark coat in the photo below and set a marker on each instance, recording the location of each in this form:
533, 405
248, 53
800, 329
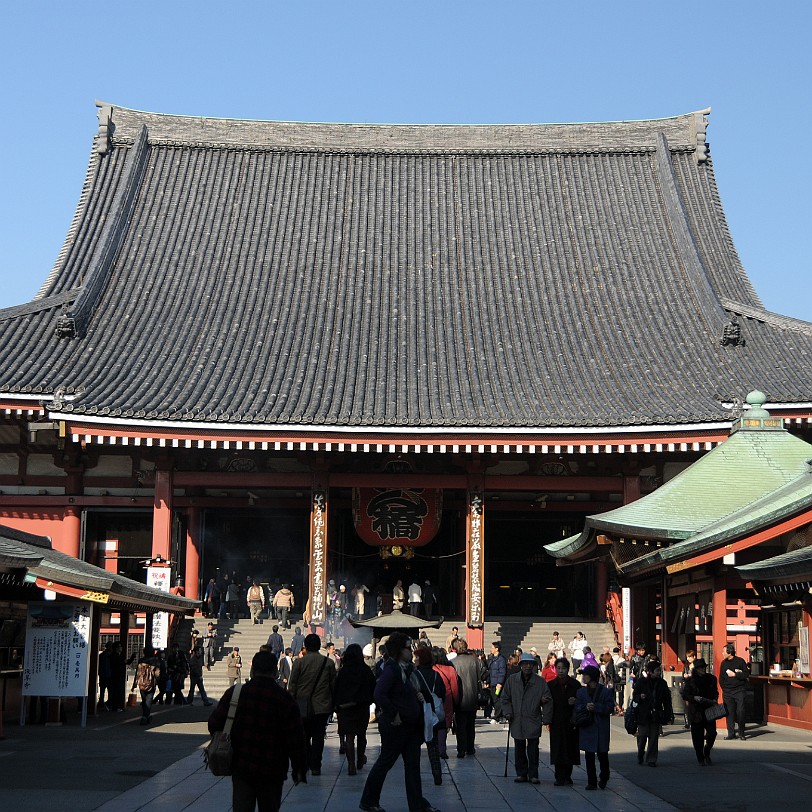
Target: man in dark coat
266, 737
275, 643
196, 659
564, 750
297, 641
497, 669
733, 675
285, 665
471, 672
653, 697
313, 677
400, 726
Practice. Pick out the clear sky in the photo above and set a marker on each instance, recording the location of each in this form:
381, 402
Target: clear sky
415, 62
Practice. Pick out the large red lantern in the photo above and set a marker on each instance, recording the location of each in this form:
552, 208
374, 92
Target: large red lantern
397, 516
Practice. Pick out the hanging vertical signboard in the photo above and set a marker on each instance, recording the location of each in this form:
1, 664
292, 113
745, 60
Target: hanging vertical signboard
475, 563
57, 649
626, 599
318, 557
159, 577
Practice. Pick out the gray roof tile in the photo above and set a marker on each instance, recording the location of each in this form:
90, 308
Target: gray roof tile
436, 277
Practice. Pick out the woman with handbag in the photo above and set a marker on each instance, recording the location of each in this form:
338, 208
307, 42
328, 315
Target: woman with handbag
453, 692
701, 692
594, 704
352, 695
431, 686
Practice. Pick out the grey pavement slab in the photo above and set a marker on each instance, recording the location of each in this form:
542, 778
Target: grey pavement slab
118, 766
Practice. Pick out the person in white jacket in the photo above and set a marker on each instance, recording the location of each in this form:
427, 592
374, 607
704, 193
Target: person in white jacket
415, 599
576, 649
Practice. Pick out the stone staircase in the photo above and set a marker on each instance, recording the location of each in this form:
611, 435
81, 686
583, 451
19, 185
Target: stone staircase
528, 632
513, 631
242, 633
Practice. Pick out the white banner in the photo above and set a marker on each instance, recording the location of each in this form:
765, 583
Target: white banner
626, 599
159, 578
57, 649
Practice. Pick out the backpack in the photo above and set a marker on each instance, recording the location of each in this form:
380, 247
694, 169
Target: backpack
145, 677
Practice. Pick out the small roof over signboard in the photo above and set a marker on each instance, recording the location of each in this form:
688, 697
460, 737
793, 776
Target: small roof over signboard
33, 560
759, 477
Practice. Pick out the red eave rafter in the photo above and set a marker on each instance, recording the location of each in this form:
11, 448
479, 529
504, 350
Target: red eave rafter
72, 591
20, 408
742, 544
430, 442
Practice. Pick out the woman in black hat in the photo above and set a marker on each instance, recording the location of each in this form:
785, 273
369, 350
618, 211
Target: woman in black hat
700, 692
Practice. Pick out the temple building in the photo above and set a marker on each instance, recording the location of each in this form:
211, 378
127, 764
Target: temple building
722, 554
375, 352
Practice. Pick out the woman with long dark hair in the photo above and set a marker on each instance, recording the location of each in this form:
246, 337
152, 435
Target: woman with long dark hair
353, 692
430, 684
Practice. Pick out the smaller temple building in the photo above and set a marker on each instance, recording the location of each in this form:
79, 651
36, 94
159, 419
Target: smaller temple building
722, 553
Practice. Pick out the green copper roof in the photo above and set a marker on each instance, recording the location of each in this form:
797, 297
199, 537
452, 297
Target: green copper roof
759, 475
748, 465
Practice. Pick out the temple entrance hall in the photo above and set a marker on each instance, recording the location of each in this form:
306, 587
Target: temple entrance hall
267, 544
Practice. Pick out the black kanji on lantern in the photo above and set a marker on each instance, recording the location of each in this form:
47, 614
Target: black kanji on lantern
397, 513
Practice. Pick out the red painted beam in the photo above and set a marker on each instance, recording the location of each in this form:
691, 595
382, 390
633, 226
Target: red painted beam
743, 543
219, 479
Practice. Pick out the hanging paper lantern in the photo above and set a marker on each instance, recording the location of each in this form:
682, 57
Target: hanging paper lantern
397, 516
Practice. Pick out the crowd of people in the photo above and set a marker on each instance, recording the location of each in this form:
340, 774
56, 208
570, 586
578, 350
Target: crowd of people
228, 597
420, 694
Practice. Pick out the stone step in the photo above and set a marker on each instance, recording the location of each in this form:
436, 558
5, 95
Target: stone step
512, 632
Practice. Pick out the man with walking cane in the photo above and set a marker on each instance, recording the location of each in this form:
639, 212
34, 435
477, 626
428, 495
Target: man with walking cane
527, 704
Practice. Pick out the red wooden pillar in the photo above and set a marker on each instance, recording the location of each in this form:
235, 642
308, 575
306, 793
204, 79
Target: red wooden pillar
475, 566
162, 515
109, 555
631, 488
719, 630
191, 578
317, 587
72, 537
670, 656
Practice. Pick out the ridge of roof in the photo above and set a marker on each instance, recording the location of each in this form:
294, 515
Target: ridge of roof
685, 131
767, 316
37, 555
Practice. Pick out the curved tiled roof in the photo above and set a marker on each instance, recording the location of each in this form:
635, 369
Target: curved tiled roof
429, 276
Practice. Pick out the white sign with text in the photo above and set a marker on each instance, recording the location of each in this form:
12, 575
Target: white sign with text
159, 577
57, 649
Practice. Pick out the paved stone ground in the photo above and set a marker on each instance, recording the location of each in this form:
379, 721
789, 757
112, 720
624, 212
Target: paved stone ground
117, 766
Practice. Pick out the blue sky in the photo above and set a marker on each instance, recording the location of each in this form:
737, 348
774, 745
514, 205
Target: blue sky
418, 62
